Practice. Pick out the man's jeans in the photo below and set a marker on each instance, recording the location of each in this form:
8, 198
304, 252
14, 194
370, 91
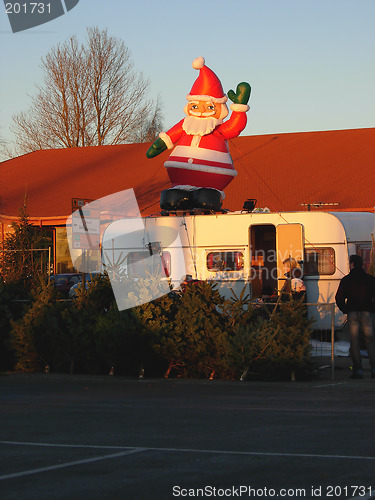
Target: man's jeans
363, 319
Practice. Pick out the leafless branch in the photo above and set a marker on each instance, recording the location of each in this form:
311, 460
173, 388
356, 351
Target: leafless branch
91, 95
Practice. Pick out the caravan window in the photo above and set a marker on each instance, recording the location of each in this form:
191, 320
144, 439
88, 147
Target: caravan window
140, 264
225, 261
319, 261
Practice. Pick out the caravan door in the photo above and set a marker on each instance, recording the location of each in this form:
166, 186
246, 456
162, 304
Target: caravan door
289, 243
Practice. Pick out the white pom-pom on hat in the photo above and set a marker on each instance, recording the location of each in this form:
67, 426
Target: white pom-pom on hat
198, 63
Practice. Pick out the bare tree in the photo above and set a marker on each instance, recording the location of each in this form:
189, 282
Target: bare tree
152, 124
7, 151
91, 96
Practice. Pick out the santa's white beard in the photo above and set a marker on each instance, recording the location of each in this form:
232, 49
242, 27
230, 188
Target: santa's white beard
200, 126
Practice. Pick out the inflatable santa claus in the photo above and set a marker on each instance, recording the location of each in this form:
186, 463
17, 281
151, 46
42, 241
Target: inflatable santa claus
200, 165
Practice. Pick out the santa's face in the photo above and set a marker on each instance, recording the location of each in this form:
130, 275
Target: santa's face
203, 109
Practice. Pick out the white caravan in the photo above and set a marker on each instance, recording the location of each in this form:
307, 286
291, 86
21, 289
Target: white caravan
238, 249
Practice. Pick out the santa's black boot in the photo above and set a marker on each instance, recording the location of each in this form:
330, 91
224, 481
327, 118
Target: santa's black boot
175, 199
206, 198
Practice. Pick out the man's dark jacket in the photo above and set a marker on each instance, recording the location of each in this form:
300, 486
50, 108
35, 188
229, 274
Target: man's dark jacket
356, 292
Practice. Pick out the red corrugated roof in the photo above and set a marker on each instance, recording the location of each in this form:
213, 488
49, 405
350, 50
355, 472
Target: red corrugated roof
291, 169
281, 171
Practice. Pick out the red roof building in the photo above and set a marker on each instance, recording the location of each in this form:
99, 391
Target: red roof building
284, 172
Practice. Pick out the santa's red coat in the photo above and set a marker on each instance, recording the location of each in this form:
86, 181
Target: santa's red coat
204, 161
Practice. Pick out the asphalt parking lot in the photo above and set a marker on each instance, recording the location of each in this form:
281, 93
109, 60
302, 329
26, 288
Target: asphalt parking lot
88, 438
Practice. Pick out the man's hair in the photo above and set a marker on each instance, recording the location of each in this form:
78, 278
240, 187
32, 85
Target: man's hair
291, 262
356, 260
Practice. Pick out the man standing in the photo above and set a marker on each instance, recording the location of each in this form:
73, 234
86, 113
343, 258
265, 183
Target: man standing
356, 298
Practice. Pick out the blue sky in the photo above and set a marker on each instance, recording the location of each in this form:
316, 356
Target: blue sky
311, 63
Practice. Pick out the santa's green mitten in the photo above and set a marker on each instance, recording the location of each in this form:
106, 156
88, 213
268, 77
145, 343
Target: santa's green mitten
157, 147
242, 94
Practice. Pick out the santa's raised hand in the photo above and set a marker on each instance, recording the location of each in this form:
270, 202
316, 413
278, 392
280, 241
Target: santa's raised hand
242, 94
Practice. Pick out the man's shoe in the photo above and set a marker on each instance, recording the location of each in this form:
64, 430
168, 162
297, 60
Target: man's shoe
358, 374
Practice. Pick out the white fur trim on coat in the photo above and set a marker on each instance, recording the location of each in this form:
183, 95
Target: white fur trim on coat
223, 99
165, 137
200, 168
239, 107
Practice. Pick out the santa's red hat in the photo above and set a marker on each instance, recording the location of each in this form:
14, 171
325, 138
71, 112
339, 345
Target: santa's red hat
207, 87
